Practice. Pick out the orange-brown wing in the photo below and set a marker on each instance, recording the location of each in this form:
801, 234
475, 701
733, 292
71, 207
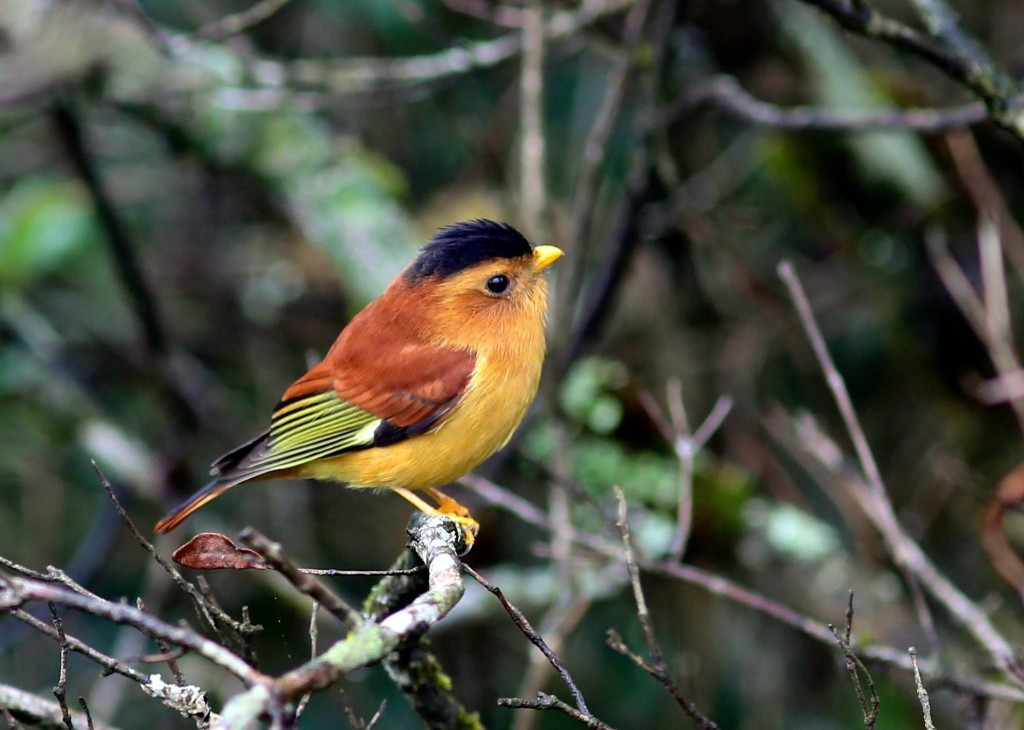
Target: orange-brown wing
380, 365
380, 384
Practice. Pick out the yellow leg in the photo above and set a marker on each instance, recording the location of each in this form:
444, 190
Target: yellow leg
447, 507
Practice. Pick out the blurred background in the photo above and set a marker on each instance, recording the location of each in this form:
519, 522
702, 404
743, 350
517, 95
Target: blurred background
195, 197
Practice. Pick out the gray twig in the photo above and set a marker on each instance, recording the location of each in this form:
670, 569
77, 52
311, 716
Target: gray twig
241, 21
871, 494
273, 553
719, 586
60, 691
15, 592
945, 46
536, 639
656, 667
550, 702
855, 668
436, 539
922, 693
726, 94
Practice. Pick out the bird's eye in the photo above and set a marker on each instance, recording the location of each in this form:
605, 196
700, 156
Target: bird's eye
497, 284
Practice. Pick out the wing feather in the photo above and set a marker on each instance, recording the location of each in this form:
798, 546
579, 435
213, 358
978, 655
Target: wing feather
376, 387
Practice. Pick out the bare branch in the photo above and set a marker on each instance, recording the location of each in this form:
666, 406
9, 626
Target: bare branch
870, 493
946, 48
208, 610
677, 432
550, 702
922, 693
15, 592
241, 21
60, 691
359, 75
726, 94
657, 667
729, 590
855, 668
436, 539
112, 666
987, 312
18, 704
273, 553
536, 639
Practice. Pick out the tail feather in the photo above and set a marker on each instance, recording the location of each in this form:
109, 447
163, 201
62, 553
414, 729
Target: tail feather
207, 494
229, 470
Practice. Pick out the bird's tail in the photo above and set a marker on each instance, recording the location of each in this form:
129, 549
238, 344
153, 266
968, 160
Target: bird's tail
207, 494
228, 470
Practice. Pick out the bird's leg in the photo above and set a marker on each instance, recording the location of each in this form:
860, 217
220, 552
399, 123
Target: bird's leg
445, 506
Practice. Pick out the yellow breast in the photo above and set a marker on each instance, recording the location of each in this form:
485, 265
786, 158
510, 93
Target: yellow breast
503, 384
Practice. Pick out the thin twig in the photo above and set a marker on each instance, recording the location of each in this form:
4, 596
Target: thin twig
984, 192
536, 639
657, 667
726, 94
871, 494
947, 48
550, 702
686, 445
987, 311
855, 668
213, 614
273, 553
717, 585
314, 633
111, 665
241, 21
15, 592
36, 711
60, 691
360, 75
922, 693
85, 711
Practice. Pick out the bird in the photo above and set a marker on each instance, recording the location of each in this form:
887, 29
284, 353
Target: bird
421, 386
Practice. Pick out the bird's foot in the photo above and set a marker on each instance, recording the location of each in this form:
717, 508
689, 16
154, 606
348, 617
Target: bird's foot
446, 507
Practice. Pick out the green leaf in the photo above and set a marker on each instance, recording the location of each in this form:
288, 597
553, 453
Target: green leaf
43, 221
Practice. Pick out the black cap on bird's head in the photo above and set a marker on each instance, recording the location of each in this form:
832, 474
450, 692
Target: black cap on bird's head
459, 246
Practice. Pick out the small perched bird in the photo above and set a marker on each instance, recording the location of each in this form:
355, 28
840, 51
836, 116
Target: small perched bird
424, 384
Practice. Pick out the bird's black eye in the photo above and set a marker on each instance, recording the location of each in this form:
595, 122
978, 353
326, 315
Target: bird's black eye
497, 284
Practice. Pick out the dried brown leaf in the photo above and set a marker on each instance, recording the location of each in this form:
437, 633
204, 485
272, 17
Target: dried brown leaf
214, 551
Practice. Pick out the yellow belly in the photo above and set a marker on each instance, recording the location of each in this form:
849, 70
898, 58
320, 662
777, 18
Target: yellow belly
482, 423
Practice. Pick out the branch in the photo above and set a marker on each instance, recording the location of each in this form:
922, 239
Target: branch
241, 21
946, 47
360, 75
537, 640
855, 667
726, 94
302, 581
550, 702
922, 693
43, 713
656, 667
870, 493
676, 430
16, 592
723, 587
436, 540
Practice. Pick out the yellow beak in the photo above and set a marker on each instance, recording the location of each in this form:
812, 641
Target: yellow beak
544, 256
